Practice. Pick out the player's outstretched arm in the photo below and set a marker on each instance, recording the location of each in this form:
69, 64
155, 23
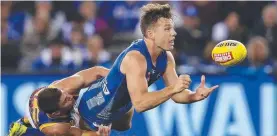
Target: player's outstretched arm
81, 79
185, 96
134, 67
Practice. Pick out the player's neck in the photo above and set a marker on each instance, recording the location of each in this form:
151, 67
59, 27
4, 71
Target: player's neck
153, 50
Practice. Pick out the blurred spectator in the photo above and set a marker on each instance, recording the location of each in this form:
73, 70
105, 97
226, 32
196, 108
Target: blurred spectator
12, 34
5, 9
77, 43
56, 57
258, 52
77, 38
39, 30
208, 12
122, 16
42, 26
97, 54
258, 59
192, 36
248, 11
93, 24
10, 54
258, 56
87, 20
267, 27
34, 40
227, 29
75, 21
45, 8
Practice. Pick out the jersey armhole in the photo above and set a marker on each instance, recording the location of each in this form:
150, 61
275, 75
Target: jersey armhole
120, 62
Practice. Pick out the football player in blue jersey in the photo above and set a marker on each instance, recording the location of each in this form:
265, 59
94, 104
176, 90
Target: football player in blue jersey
113, 99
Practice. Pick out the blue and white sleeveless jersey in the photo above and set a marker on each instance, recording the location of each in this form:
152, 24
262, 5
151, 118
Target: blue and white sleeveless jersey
108, 99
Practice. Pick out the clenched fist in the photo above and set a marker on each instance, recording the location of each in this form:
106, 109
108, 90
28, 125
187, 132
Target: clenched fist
183, 83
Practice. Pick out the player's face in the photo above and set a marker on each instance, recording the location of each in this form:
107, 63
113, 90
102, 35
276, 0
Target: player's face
164, 34
66, 102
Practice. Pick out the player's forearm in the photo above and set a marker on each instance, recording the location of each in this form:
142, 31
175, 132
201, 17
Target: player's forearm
92, 74
150, 100
184, 97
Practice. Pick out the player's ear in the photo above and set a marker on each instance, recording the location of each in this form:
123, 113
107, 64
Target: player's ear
150, 33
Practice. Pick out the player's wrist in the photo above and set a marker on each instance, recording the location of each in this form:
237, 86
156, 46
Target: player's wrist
191, 96
173, 90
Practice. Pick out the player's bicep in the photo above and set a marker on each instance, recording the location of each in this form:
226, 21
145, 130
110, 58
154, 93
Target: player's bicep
135, 69
137, 85
170, 76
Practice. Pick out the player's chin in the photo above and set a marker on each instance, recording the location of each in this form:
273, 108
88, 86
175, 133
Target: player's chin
170, 48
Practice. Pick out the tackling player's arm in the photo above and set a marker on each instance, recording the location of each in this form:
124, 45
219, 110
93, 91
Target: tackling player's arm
185, 96
134, 67
80, 80
64, 129
60, 129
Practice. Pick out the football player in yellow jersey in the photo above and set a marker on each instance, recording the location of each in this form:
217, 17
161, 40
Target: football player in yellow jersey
45, 115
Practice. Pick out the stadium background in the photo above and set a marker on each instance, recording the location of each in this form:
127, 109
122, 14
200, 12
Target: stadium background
45, 41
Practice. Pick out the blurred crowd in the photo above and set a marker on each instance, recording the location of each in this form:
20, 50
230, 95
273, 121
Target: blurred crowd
60, 36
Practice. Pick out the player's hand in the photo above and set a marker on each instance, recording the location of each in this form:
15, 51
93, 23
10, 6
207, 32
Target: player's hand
203, 92
104, 130
183, 83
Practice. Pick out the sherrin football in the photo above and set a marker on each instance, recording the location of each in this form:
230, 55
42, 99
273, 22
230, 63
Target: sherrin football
229, 53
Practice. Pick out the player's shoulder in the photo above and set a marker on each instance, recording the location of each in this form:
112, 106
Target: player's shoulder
137, 42
135, 56
133, 60
135, 49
